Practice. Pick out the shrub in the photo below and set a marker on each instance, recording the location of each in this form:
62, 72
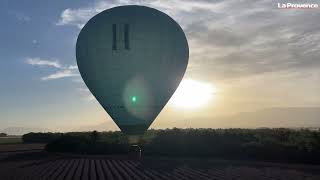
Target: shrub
259, 144
40, 137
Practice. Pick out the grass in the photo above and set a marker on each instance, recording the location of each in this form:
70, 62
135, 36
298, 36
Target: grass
11, 140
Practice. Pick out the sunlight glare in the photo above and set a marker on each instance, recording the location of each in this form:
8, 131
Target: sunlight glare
193, 94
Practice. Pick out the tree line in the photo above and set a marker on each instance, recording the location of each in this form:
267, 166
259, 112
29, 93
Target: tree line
277, 144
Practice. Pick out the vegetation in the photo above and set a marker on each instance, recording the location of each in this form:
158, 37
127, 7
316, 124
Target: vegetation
40, 137
3, 134
262, 144
90, 143
250, 144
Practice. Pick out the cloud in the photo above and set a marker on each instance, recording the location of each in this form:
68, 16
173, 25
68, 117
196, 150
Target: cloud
252, 38
19, 16
34, 41
232, 40
43, 62
60, 74
73, 67
72, 17
78, 17
78, 80
63, 72
86, 94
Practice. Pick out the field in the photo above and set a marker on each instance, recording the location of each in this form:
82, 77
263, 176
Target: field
30, 162
10, 140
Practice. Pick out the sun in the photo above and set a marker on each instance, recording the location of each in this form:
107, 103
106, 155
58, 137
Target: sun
193, 94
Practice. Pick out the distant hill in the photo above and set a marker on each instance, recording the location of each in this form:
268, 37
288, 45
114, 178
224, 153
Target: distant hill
294, 117
105, 126
287, 117
21, 130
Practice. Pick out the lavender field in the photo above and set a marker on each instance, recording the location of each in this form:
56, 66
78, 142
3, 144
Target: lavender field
21, 163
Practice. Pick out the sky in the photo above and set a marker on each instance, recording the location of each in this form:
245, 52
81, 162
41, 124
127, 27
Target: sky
250, 55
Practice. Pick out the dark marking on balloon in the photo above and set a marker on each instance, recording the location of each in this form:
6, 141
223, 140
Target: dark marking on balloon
114, 39
126, 36
120, 37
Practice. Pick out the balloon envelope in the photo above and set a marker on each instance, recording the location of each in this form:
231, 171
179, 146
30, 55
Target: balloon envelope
132, 58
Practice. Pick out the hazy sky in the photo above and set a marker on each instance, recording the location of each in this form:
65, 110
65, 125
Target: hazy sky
253, 54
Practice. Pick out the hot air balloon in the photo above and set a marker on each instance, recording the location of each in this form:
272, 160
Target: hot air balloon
132, 59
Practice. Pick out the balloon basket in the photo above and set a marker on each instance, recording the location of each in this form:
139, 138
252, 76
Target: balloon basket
135, 150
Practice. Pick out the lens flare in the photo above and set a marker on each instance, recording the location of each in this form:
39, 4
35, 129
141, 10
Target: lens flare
134, 99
